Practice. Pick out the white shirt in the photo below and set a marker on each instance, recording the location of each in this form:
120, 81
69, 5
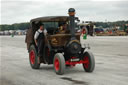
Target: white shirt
38, 32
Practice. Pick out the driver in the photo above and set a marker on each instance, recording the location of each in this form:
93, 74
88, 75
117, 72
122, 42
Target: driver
63, 28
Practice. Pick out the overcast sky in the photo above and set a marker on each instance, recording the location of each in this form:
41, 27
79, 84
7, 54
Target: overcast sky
16, 11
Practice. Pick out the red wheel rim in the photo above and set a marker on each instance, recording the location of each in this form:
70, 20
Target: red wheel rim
32, 57
86, 65
57, 66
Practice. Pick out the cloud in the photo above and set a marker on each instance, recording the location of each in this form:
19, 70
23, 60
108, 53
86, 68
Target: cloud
13, 11
21, 11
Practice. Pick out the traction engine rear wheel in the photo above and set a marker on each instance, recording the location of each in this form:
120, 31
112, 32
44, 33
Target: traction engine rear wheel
33, 58
59, 63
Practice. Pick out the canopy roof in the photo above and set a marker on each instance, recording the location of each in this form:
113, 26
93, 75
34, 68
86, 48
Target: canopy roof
51, 18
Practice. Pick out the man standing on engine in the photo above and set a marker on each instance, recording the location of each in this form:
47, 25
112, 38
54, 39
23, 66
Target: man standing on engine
39, 38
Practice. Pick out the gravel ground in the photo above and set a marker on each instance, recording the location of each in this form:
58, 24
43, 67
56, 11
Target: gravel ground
111, 56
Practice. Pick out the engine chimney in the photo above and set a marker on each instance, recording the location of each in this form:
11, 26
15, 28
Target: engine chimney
71, 13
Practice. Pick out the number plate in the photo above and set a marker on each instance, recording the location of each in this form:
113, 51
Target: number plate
76, 59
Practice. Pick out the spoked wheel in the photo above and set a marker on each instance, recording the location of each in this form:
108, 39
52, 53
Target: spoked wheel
33, 58
59, 63
90, 62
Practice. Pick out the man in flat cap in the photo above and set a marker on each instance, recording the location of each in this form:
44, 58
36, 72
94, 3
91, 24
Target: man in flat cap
39, 38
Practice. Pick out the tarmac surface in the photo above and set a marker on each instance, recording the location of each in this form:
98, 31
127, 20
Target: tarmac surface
111, 57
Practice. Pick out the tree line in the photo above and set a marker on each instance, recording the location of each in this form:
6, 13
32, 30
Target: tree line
23, 26
17, 26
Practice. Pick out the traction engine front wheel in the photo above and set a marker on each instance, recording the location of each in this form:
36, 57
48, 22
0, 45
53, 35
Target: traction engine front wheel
90, 62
